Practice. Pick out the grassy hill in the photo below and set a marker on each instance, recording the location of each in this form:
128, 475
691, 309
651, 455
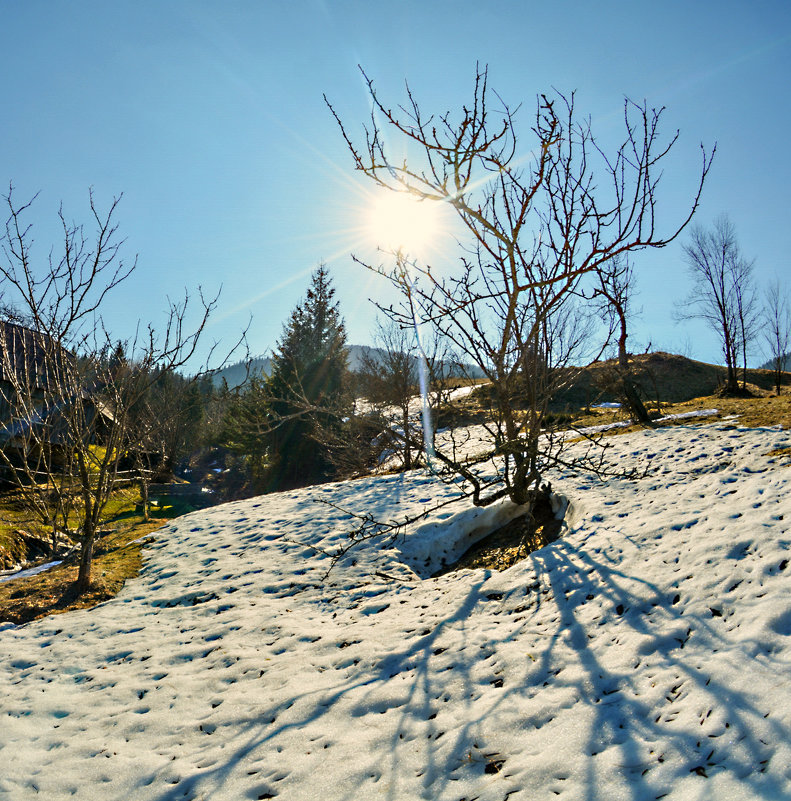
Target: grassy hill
664, 376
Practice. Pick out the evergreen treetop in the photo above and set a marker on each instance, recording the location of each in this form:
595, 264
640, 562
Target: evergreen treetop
281, 423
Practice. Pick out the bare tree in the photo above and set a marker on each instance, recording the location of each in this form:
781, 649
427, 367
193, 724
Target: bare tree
541, 221
445, 372
39, 468
406, 379
723, 293
777, 329
389, 382
166, 426
70, 412
616, 283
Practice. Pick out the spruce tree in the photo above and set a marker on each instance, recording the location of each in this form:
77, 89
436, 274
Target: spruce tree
306, 389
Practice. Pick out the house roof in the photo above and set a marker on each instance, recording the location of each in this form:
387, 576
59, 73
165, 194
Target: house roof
28, 357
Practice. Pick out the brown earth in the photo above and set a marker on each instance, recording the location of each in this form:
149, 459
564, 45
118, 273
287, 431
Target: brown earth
513, 542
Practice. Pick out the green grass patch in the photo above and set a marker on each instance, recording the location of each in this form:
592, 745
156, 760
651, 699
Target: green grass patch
117, 558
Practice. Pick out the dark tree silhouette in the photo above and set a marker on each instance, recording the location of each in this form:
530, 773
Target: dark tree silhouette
777, 330
282, 424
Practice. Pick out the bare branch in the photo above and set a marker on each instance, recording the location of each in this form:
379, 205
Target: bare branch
542, 233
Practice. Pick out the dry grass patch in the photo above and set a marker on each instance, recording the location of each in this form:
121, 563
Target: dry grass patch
760, 411
763, 410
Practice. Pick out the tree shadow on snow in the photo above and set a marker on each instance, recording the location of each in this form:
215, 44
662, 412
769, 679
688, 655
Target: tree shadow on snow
463, 651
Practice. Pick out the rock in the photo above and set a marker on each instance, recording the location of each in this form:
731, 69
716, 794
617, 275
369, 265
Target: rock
36, 546
25, 548
12, 555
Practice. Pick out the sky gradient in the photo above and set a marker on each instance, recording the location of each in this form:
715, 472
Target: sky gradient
209, 118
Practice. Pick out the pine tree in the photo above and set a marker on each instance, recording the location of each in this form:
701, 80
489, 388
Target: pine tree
282, 425
245, 426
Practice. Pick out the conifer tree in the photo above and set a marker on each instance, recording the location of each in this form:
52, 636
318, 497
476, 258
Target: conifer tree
282, 425
245, 426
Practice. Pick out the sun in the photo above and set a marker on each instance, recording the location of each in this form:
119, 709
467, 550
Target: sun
398, 221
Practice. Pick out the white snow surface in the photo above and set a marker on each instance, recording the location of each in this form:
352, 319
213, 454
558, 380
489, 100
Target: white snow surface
644, 655
628, 422
31, 571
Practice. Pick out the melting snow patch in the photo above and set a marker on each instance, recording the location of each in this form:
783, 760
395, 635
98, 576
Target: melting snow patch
434, 545
643, 655
627, 423
31, 571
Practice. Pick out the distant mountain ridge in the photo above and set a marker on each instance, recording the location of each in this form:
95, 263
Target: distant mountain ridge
236, 375
673, 377
770, 365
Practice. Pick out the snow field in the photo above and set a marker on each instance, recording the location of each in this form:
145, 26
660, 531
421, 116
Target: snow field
645, 655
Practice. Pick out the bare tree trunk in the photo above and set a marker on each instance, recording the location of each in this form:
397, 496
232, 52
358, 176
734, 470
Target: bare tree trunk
54, 544
86, 558
732, 384
777, 328
144, 496
407, 438
630, 394
623, 356
723, 294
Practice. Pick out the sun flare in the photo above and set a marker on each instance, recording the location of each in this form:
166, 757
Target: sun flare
398, 221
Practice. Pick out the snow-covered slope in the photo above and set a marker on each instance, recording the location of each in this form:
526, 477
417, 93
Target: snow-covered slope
645, 655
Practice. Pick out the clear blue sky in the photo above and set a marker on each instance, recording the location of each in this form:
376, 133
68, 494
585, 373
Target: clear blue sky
209, 117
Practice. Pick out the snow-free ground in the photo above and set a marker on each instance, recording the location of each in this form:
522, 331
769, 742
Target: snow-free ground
645, 655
